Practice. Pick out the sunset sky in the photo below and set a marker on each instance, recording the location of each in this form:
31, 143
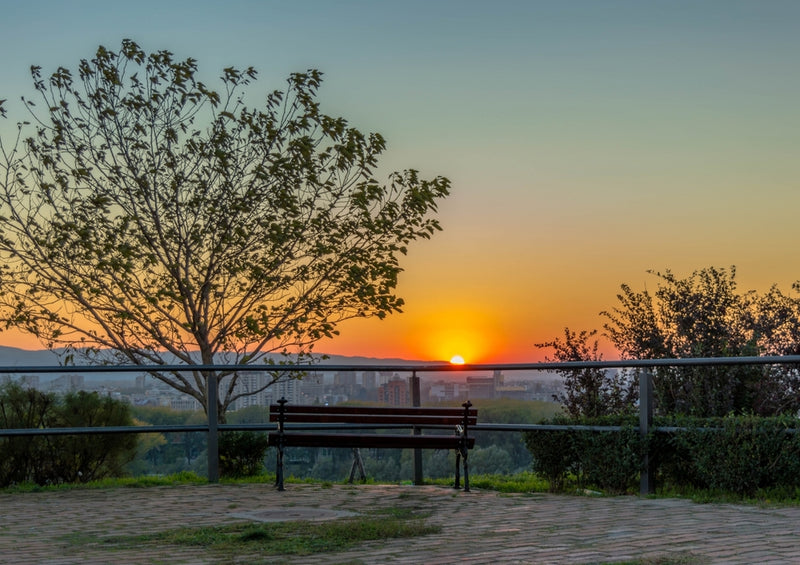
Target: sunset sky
586, 141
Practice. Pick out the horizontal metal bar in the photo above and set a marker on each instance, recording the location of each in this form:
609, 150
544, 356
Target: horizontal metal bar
543, 427
24, 432
102, 430
16, 432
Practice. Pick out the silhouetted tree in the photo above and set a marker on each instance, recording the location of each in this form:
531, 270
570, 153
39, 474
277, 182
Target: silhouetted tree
590, 392
704, 315
152, 216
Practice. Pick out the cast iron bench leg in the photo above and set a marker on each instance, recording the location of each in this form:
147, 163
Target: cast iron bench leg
458, 469
279, 469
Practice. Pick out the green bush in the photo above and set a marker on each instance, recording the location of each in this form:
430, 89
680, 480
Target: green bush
83, 458
68, 458
241, 454
552, 453
24, 459
609, 460
738, 454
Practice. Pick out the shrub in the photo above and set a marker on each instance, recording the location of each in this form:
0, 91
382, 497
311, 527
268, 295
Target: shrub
23, 458
68, 458
610, 460
552, 453
241, 454
83, 458
737, 454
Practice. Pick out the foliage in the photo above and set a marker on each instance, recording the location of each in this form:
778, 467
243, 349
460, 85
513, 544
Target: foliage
179, 451
738, 454
591, 392
704, 315
88, 457
147, 214
62, 458
609, 460
24, 459
250, 415
742, 455
553, 455
241, 454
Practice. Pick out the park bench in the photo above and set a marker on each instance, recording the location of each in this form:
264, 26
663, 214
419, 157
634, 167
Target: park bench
301, 426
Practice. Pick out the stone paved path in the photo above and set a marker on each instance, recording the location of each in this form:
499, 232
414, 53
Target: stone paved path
478, 527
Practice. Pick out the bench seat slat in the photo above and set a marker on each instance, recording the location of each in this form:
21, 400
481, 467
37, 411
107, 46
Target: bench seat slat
419, 419
388, 441
393, 410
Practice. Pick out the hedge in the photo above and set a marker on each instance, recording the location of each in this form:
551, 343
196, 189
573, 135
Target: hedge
738, 454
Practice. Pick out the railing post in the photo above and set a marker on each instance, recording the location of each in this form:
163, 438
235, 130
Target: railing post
213, 431
416, 401
647, 478
465, 444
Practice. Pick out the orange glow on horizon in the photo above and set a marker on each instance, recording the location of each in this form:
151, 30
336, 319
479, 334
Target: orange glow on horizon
21, 340
457, 360
457, 333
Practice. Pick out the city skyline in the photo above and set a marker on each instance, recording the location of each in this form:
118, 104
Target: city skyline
586, 142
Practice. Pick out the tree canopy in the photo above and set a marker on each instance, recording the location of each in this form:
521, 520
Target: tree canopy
701, 315
589, 392
147, 214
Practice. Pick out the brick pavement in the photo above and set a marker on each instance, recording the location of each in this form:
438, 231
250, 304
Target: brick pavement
68, 527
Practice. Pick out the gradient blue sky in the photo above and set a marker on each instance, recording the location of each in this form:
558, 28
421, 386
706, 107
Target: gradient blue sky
587, 142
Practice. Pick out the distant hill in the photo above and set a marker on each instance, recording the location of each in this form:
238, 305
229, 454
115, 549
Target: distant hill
15, 357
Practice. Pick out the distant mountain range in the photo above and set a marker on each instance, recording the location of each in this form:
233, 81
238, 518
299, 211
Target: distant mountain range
14, 357
22, 358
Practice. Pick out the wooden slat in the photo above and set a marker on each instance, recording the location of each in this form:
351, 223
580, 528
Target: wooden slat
413, 419
388, 441
372, 415
319, 409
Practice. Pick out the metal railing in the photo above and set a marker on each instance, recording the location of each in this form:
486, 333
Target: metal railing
213, 427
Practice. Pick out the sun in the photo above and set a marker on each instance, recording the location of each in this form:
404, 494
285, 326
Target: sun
457, 360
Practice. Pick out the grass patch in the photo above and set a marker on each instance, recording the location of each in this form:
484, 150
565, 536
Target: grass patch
526, 482
289, 538
182, 478
778, 496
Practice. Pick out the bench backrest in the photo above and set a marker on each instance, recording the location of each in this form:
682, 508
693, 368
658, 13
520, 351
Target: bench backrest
372, 415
